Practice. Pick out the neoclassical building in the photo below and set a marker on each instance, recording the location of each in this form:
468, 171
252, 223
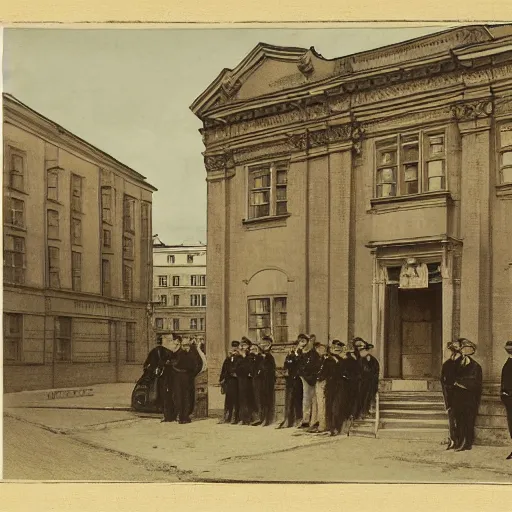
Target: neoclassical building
366, 195
77, 247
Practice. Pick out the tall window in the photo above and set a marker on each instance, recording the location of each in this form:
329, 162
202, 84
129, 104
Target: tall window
268, 190
127, 247
193, 324
410, 164
162, 281
171, 259
15, 212
505, 145
159, 323
54, 267
53, 225
13, 337
127, 282
175, 300
195, 300
17, 171
76, 231
267, 315
175, 280
203, 300
52, 185
105, 278
76, 193
76, 270
202, 324
175, 324
14, 259
163, 300
130, 342
107, 238
63, 339
106, 204
198, 280
129, 214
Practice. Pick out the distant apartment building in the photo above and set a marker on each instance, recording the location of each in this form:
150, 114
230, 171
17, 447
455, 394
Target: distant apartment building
77, 258
179, 288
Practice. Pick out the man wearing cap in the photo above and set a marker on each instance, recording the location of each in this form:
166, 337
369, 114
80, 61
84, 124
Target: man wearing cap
332, 370
229, 384
154, 367
308, 369
370, 369
172, 354
267, 379
448, 374
506, 388
467, 391
325, 364
255, 357
358, 345
293, 388
245, 387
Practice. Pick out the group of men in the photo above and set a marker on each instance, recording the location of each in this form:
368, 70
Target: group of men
461, 379
327, 386
175, 366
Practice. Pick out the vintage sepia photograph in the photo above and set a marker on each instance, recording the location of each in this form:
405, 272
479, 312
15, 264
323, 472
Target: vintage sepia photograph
257, 254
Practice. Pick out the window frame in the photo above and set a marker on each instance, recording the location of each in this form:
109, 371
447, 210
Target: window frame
54, 270
175, 281
106, 284
256, 333
76, 272
395, 142
193, 324
12, 257
12, 212
52, 231
175, 300
109, 237
195, 297
13, 151
127, 273
175, 324
274, 167
171, 259
129, 214
107, 210
59, 337
53, 173
164, 301
163, 279
9, 337
128, 247
190, 259
76, 223
77, 197
502, 149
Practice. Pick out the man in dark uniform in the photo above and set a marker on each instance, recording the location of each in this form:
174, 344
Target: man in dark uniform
154, 366
308, 369
293, 388
369, 379
506, 388
244, 378
229, 383
174, 347
267, 376
358, 345
331, 372
467, 391
183, 368
448, 374
255, 357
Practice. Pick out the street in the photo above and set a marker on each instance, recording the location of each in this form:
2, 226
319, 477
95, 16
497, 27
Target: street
122, 446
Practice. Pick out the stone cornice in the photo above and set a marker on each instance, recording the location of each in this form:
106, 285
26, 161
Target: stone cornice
473, 109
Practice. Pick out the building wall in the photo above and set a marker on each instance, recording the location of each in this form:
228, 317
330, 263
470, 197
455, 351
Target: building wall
184, 270
330, 253
100, 348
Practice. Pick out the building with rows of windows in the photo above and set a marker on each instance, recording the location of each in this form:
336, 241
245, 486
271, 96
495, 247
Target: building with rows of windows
77, 258
368, 195
179, 288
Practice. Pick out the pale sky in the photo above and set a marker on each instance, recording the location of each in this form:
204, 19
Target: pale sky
128, 92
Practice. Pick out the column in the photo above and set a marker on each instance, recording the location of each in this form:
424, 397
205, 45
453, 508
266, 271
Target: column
475, 296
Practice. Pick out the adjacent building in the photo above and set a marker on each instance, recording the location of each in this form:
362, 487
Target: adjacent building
179, 288
368, 195
77, 258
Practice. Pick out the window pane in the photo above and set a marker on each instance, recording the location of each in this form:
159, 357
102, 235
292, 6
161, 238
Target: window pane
436, 145
411, 153
386, 190
436, 183
282, 208
506, 136
282, 177
260, 211
259, 306
387, 157
17, 163
435, 168
386, 175
411, 173
259, 198
281, 193
506, 158
506, 175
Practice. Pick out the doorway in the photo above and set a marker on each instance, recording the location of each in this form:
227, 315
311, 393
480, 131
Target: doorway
414, 345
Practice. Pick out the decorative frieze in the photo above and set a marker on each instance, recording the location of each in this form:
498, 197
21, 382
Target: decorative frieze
469, 111
217, 162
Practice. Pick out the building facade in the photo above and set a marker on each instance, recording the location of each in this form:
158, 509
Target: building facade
179, 289
368, 195
77, 258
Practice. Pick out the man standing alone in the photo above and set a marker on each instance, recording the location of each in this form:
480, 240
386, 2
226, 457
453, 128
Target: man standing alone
448, 375
506, 388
